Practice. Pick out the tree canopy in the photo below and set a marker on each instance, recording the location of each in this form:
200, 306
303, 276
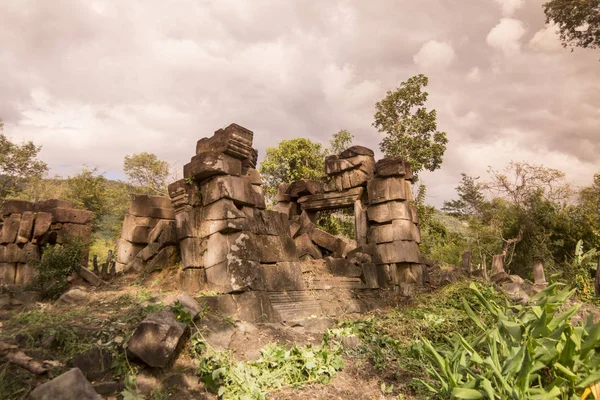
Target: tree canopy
147, 172
578, 21
340, 141
410, 129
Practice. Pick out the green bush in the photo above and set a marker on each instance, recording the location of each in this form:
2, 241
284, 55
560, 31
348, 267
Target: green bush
529, 352
58, 262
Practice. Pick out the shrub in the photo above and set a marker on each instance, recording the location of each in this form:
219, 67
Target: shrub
58, 262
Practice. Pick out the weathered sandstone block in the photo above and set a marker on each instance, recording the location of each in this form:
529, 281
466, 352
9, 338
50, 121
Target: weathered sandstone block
71, 385
210, 163
234, 188
25, 227
387, 212
399, 251
42, 223
234, 140
10, 229
16, 207
385, 189
70, 215
399, 229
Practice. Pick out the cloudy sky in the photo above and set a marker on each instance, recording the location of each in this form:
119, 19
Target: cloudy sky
93, 81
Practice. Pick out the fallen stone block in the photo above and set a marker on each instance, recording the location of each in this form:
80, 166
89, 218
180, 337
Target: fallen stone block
387, 212
327, 241
71, 215
10, 228
210, 163
399, 251
90, 277
149, 251
16, 207
165, 258
356, 151
343, 267
41, 226
351, 179
392, 166
234, 188
304, 188
235, 141
126, 251
385, 189
306, 247
71, 385
74, 296
278, 277
164, 233
25, 227
136, 229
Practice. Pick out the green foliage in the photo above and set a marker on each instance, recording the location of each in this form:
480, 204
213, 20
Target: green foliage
12, 380
147, 172
411, 130
578, 21
470, 198
277, 367
18, 166
181, 314
340, 141
290, 161
584, 263
528, 352
338, 222
87, 190
57, 263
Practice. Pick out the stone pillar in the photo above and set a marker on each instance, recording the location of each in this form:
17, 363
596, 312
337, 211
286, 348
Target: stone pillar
497, 264
484, 268
539, 277
466, 262
360, 223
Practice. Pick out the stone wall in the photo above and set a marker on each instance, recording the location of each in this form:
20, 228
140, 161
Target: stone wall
27, 227
148, 241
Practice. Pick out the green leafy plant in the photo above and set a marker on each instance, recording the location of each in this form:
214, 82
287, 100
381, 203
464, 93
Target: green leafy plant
529, 352
58, 262
583, 263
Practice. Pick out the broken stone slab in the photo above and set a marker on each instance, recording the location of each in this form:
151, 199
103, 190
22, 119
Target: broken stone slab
351, 179
71, 385
282, 192
183, 193
90, 277
327, 241
393, 166
95, 364
387, 212
217, 332
74, 296
47, 205
306, 247
210, 163
149, 251
356, 151
42, 222
253, 176
234, 140
343, 267
278, 277
126, 251
10, 228
234, 188
331, 200
398, 252
16, 207
165, 258
399, 229
233, 275
304, 188
164, 233
385, 189
25, 227
71, 216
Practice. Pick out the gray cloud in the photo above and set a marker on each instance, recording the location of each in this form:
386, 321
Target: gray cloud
94, 81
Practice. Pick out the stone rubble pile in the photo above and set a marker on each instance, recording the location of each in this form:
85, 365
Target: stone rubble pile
148, 240
27, 227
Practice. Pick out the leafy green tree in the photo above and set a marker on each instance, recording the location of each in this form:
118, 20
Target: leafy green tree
147, 172
340, 141
411, 130
18, 165
88, 191
290, 161
578, 21
470, 198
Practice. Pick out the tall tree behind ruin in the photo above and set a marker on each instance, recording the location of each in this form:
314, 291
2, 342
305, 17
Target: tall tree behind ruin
18, 164
578, 21
87, 190
147, 173
410, 130
340, 141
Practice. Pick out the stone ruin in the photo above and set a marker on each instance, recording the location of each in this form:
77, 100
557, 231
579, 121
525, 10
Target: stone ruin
28, 227
274, 265
148, 240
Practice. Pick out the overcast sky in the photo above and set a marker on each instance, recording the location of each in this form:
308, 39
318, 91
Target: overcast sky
93, 81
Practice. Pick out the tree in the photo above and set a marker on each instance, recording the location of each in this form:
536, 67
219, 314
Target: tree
88, 191
411, 130
578, 21
147, 172
340, 141
290, 161
18, 164
470, 198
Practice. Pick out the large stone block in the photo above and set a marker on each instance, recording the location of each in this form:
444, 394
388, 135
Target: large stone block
126, 251
304, 188
399, 229
24, 274
306, 247
14, 254
156, 340
272, 249
234, 188
387, 212
210, 163
356, 151
47, 205
343, 267
279, 277
71, 385
74, 231
71, 216
192, 250
10, 229
42, 223
25, 227
253, 176
166, 257
183, 193
331, 200
221, 210
136, 229
327, 241
30, 253
16, 207
231, 275
151, 206
234, 140
398, 252
2, 253
385, 189
192, 280
393, 166
267, 222
351, 179
334, 165
164, 233
8, 273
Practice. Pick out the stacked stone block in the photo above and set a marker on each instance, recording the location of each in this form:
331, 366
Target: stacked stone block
227, 238
27, 227
148, 238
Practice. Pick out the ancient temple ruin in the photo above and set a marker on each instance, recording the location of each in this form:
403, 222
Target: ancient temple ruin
28, 227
